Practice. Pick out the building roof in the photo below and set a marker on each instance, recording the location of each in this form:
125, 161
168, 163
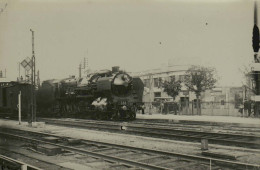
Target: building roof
4, 79
172, 68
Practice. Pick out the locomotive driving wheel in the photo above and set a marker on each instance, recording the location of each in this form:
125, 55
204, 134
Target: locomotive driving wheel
132, 113
115, 115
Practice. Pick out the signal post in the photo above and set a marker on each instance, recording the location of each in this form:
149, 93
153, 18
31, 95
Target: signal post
255, 67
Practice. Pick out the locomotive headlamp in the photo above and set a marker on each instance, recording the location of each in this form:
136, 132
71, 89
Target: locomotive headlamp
124, 107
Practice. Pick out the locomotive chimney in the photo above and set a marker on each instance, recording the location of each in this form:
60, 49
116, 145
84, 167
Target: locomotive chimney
115, 69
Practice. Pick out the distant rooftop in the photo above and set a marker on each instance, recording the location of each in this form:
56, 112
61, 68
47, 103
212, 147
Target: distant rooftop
4, 79
163, 69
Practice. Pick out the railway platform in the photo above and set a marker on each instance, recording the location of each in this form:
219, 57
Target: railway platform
201, 119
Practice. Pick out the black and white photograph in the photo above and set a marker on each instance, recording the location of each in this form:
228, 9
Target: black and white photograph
129, 84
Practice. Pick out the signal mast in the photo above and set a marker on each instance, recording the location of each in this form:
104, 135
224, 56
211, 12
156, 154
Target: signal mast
256, 65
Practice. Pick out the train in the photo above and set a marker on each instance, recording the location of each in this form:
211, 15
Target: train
105, 94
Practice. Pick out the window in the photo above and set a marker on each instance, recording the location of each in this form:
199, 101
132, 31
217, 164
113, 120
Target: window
222, 102
147, 83
182, 77
157, 94
172, 78
156, 82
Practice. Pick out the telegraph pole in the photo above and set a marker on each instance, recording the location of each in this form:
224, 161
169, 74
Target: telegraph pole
19, 76
38, 79
79, 70
84, 63
86, 66
150, 93
83, 66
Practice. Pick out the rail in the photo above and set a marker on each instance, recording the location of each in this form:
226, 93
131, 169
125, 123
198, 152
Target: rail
241, 140
106, 149
12, 164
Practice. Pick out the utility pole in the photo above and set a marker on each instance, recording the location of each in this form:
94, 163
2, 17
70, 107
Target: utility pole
38, 79
84, 66
80, 70
243, 100
84, 63
86, 69
87, 64
150, 93
19, 67
19, 107
33, 99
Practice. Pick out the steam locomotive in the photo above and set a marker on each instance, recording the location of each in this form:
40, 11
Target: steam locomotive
105, 94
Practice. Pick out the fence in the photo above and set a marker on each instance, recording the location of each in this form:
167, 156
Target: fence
190, 108
220, 109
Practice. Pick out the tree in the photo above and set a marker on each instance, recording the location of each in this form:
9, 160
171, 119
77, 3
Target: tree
172, 87
199, 79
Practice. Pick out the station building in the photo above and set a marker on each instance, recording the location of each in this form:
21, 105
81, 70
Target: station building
151, 80
218, 101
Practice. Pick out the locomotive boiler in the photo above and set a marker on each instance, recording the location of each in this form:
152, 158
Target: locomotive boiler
105, 94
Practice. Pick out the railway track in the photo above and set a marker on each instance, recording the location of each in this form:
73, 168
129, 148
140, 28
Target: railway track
238, 128
221, 126
197, 122
127, 156
164, 131
7, 163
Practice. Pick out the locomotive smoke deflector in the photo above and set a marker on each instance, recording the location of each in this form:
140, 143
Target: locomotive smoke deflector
121, 84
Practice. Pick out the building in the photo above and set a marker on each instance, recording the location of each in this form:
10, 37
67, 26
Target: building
218, 101
151, 79
153, 93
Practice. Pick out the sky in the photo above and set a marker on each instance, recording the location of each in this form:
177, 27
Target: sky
133, 34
